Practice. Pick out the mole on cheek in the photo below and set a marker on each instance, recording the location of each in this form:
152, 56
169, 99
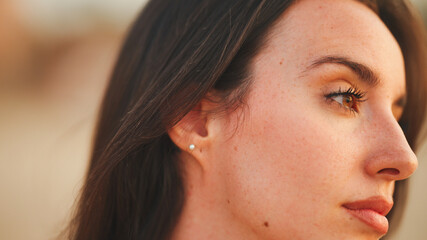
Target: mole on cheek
266, 224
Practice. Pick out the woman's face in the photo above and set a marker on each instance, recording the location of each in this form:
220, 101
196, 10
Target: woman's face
317, 150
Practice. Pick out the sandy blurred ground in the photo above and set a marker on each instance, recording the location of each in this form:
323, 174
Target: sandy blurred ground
55, 59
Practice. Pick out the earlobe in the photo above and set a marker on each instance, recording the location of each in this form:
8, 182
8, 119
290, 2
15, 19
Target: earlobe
191, 133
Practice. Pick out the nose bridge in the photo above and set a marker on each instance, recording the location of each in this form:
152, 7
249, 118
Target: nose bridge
392, 156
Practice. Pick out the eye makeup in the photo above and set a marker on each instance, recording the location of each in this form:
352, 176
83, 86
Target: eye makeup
348, 99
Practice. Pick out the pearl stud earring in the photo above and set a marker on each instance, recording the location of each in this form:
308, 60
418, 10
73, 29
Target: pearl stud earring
191, 147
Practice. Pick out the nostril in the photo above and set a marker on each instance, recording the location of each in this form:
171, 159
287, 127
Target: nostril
390, 171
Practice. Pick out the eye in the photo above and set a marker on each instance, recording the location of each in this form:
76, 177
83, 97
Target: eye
346, 101
349, 99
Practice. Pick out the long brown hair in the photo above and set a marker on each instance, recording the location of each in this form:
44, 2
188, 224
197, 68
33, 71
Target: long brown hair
175, 53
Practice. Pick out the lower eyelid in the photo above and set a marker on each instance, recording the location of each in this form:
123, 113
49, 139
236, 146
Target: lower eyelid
339, 106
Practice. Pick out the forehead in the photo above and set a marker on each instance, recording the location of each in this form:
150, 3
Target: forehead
314, 28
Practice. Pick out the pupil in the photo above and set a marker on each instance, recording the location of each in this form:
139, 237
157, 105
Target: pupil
348, 100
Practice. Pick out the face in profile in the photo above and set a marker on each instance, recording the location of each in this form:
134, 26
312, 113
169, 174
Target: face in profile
316, 150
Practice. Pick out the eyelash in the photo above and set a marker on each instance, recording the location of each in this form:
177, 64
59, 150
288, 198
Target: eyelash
357, 96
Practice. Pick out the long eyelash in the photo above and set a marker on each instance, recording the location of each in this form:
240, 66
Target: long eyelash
352, 91
358, 95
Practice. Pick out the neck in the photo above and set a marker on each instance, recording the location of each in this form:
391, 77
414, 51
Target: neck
206, 213
205, 221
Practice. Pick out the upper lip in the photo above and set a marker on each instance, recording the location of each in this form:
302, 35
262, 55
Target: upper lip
378, 204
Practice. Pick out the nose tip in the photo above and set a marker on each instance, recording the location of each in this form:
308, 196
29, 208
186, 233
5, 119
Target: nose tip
403, 168
393, 158
393, 165
408, 167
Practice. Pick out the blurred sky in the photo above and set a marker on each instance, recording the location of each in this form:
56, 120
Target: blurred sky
55, 59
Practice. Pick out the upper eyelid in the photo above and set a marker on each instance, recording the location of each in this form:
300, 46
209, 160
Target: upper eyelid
353, 90
363, 72
354, 79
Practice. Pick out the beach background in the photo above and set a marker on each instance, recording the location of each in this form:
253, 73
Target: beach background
55, 60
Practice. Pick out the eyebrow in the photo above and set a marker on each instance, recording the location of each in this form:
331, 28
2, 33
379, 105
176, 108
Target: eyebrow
364, 73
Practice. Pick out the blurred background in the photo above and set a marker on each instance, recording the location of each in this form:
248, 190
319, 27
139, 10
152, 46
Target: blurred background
55, 59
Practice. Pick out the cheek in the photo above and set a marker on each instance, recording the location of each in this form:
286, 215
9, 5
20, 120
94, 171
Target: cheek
282, 160
289, 141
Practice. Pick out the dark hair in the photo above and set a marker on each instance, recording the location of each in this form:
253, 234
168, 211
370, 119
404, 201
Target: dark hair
175, 54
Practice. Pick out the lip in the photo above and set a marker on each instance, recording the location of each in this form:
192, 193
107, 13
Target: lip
371, 211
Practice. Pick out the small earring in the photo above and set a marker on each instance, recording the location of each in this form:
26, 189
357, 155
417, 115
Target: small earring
191, 147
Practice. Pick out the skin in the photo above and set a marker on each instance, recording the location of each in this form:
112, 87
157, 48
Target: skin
282, 166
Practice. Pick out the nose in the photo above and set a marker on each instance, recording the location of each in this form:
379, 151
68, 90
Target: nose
391, 156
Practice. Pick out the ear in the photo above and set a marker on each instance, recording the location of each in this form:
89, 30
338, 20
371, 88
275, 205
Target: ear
193, 131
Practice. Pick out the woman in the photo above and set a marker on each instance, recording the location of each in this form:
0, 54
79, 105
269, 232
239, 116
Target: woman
258, 120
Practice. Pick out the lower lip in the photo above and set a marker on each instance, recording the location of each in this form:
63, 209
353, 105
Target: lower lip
371, 218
